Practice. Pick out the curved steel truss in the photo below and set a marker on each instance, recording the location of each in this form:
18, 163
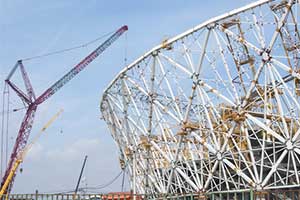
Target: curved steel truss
215, 108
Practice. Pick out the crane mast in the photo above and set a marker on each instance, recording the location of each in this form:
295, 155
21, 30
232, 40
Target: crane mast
32, 102
22, 154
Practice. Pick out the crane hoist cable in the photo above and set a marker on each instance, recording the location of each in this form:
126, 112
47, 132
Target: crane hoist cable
4, 127
32, 102
67, 49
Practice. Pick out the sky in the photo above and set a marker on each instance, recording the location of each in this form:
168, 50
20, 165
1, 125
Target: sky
30, 27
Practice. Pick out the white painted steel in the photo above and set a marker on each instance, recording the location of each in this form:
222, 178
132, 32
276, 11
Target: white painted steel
215, 108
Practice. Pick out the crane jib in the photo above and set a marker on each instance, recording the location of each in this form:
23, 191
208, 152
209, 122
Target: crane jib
86, 61
27, 121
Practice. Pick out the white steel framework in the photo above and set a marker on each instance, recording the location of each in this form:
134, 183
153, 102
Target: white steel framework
215, 108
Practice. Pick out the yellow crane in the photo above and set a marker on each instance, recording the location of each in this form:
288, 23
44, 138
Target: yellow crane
22, 154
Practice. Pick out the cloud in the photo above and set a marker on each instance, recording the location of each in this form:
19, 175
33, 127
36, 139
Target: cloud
44, 165
35, 152
54, 162
73, 151
68, 153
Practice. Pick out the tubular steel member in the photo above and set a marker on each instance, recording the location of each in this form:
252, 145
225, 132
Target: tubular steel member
32, 102
214, 109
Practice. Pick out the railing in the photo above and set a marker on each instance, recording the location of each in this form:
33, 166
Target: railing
242, 195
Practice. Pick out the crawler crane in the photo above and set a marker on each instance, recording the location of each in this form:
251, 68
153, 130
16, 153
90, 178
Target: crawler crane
31, 102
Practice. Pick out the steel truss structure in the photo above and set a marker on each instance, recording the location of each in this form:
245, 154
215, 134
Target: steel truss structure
215, 108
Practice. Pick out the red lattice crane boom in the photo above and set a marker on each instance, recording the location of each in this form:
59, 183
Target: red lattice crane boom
32, 102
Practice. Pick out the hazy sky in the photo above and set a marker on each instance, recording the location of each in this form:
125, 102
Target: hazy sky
33, 27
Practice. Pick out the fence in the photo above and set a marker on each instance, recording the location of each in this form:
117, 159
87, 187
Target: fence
244, 195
